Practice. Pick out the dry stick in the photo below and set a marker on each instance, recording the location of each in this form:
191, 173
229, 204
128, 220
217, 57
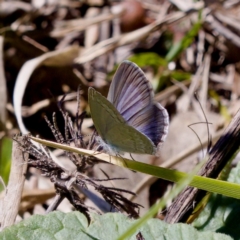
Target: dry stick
3, 89
205, 79
170, 91
60, 197
56, 202
195, 82
82, 24
100, 73
219, 155
222, 30
28, 111
227, 20
9, 205
112, 43
200, 47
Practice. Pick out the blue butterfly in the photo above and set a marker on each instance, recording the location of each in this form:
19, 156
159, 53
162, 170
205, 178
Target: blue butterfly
129, 120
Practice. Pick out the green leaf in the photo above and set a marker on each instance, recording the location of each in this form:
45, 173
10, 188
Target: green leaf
158, 64
165, 77
185, 42
56, 225
204, 183
144, 59
5, 159
221, 214
74, 225
162, 203
148, 59
180, 75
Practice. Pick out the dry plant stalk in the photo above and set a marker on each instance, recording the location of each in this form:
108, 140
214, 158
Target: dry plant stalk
9, 205
68, 182
219, 156
3, 89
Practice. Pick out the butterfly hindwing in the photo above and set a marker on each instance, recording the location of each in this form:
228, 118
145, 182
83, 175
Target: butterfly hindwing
127, 139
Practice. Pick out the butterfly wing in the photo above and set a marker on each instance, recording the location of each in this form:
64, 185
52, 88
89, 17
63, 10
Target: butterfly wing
104, 117
130, 92
113, 129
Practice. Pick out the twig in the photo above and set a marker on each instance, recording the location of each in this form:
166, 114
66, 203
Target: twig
205, 78
82, 24
219, 155
9, 205
221, 30
112, 43
3, 89
56, 202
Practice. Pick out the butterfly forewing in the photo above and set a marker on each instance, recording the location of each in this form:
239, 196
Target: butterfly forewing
132, 95
113, 129
129, 92
104, 118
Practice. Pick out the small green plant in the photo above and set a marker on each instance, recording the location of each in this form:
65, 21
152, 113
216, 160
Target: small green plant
5, 159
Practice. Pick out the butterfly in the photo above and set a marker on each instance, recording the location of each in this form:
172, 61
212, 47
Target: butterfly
129, 120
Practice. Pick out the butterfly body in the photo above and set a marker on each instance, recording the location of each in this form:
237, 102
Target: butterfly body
128, 120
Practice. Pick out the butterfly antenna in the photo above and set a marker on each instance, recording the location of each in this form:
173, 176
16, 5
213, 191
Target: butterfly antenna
206, 122
205, 117
197, 135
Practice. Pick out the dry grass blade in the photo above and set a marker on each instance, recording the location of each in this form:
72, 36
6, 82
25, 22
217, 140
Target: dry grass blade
186, 6
224, 31
35, 196
58, 58
82, 24
112, 43
231, 21
203, 94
